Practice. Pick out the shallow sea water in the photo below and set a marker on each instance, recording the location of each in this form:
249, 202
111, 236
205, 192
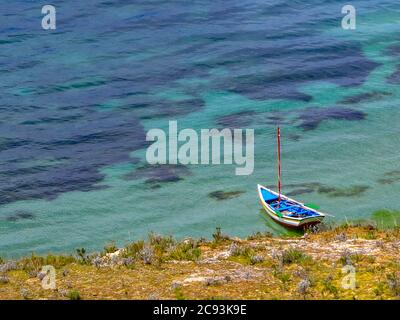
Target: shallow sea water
76, 104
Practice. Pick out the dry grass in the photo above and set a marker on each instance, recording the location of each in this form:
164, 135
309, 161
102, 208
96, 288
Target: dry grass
260, 267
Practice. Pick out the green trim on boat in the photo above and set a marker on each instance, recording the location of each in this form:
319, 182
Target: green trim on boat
279, 214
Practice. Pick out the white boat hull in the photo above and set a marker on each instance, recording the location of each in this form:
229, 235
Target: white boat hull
290, 222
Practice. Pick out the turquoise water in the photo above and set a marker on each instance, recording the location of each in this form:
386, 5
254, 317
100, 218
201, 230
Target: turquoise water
76, 104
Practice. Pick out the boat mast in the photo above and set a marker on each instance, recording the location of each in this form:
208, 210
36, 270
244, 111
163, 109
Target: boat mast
279, 165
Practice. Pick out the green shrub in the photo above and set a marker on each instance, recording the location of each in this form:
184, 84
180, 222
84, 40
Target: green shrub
109, 248
380, 289
329, 287
254, 259
370, 235
187, 250
218, 236
303, 287
147, 255
82, 256
133, 249
348, 258
179, 294
32, 264
260, 235
161, 244
236, 250
243, 254
284, 277
293, 255
393, 280
74, 295
58, 261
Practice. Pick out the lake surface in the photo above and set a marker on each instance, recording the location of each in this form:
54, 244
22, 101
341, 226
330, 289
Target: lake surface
76, 104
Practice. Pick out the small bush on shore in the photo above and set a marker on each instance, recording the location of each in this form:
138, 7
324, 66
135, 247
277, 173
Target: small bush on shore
109, 248
83, 258
282, 276
379, 289
179, 294
236, 250
147, 254
345, 258
32, 265
393, 280
260, 235
329, 287
74, 295
304, 287
218, 236
132, 249
4, 279
8, 266
256, 259
161, 248
186, 250
348, 258
244, 254
58, 261
293, 255
161, 243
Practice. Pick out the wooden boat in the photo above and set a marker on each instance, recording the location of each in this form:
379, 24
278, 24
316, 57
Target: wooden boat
286, 211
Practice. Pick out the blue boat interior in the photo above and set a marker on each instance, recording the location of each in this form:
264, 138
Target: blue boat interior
289, 208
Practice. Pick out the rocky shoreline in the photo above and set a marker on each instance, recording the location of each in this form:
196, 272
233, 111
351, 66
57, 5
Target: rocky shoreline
346, 262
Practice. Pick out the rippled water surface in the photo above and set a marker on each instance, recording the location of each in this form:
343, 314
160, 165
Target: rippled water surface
76, 104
